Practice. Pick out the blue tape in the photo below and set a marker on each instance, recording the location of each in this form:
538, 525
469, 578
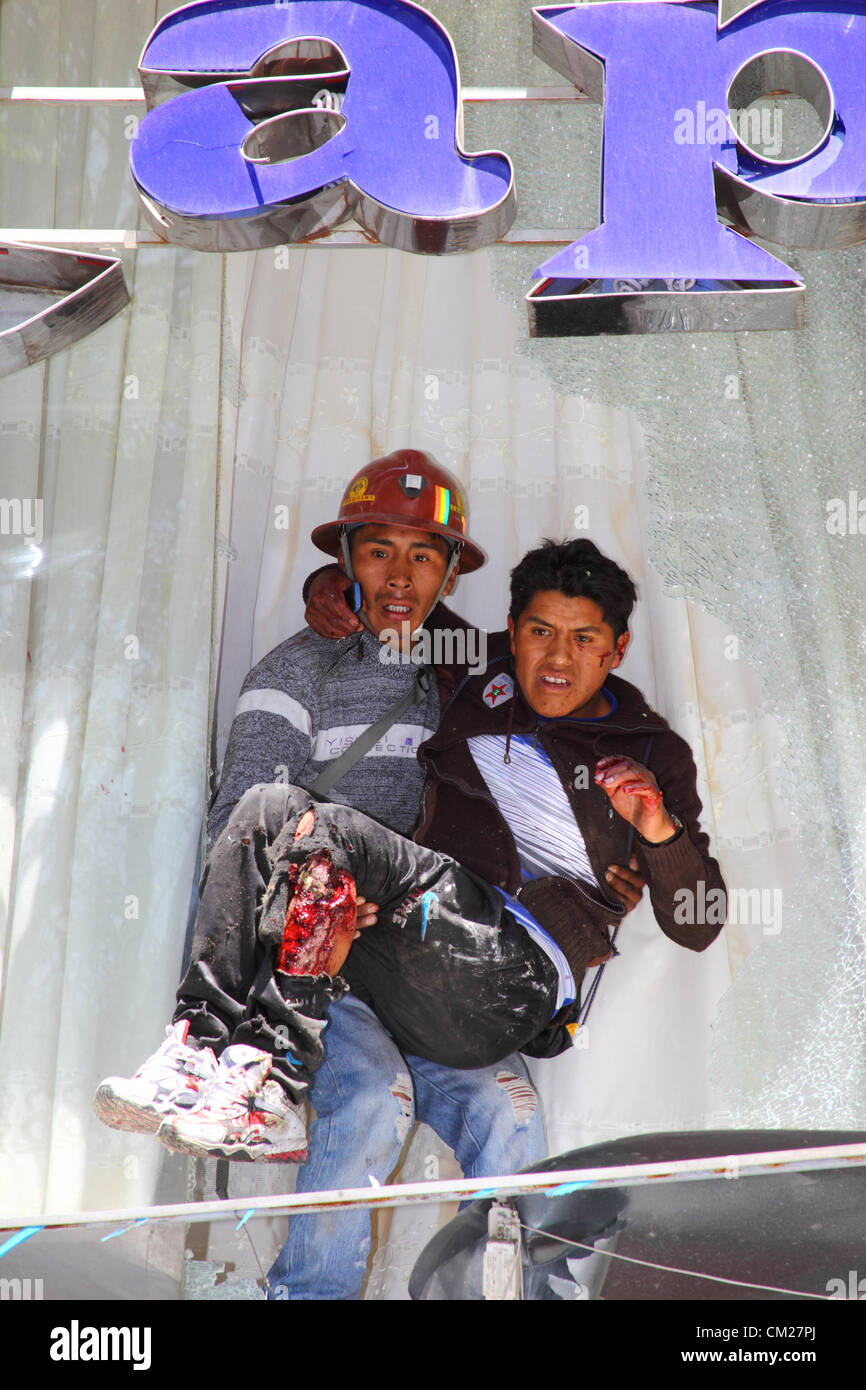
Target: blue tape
245, 1218
24, 1234
123, 1229
428, 899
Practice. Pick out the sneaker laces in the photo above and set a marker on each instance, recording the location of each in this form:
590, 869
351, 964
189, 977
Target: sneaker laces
176, 1058
240, 1076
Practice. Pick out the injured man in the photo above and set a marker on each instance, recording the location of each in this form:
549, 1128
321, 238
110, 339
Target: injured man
545, 773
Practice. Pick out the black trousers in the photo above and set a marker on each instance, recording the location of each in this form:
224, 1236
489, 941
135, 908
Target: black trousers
448, 970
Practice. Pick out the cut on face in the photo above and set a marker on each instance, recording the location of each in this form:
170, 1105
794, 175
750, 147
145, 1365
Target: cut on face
563, 650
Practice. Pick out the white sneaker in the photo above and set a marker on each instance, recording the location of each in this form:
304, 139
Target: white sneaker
169, 1081
241, 1115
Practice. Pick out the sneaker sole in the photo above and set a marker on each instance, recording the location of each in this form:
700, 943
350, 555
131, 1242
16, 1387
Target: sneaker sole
117, 1113
239, 1152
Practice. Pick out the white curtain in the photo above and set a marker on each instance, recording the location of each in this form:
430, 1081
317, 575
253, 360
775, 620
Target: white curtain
346, 354
229, 404
106, 642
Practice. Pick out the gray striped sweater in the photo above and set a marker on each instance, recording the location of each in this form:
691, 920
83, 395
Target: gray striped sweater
304, 704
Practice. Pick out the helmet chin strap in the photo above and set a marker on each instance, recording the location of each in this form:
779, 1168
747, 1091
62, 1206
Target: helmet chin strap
347, 565
453, 562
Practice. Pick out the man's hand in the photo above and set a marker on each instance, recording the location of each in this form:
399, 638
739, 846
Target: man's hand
634, 793
327, 611
626, 884
367, 916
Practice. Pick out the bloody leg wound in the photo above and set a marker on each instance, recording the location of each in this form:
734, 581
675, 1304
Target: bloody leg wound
324, 908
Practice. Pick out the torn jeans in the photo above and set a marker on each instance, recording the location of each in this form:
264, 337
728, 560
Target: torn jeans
366, 1097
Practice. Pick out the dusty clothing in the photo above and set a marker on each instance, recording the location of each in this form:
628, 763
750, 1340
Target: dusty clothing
306, 702
458, 810
453, 975
447, 969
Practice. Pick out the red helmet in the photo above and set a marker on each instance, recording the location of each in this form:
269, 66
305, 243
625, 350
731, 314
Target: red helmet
405, 488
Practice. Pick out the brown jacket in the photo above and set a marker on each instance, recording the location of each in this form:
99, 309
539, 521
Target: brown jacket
458, 816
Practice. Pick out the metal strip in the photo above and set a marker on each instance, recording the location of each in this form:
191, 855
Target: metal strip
406, 1194
107, 96
60, 295
130, 240
561, 308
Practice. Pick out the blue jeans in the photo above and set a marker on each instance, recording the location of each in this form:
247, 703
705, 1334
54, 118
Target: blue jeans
366, 1095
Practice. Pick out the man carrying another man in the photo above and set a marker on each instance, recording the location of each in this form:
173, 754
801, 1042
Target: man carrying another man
539, 774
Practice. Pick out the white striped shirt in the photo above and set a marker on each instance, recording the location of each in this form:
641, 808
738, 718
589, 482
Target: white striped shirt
534, 803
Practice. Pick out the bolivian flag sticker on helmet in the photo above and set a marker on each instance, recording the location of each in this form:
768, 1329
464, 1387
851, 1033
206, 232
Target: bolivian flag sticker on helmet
497, 691
442, 505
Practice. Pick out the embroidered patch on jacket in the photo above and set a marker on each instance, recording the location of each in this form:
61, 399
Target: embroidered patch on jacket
497, 691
